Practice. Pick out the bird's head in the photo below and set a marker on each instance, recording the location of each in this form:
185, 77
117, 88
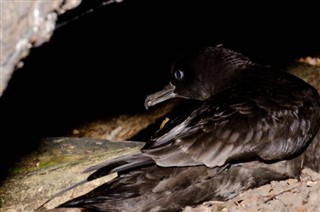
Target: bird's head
201, 74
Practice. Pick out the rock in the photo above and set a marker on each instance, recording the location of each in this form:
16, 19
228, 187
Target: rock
25, 24
60, 164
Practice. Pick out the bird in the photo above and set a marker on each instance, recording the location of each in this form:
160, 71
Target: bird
245, 124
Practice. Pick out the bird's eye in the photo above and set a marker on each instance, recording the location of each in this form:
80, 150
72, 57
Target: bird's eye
179, 75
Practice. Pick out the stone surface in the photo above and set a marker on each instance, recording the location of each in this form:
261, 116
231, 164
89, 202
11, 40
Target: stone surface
58, 163
25, 24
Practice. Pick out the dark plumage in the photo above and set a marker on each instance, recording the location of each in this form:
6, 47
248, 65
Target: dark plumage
250, 124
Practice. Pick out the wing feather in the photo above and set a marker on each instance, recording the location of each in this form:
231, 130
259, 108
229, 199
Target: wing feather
225, 128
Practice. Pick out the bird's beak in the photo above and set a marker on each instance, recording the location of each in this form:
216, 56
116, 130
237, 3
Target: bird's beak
166, 93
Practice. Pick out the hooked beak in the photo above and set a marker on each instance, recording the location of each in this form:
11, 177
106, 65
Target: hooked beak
166, 93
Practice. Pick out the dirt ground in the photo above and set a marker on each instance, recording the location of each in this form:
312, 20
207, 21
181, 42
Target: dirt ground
286, 196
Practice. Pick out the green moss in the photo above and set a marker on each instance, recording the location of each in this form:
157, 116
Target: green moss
48, 162
40, 163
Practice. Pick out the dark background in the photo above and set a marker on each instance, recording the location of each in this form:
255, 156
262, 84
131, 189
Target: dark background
106, 62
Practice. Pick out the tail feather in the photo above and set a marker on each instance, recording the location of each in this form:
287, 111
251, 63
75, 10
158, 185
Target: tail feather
154, 188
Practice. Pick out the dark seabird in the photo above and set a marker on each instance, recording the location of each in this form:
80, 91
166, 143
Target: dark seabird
249, 124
